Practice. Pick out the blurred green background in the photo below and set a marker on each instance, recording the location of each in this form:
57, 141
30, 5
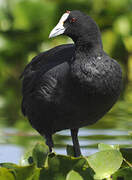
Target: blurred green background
24, 29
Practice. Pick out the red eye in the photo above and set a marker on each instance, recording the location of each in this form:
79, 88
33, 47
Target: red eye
73, 20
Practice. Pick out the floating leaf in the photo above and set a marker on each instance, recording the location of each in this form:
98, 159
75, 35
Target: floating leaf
105, 163
103, 147
73, 175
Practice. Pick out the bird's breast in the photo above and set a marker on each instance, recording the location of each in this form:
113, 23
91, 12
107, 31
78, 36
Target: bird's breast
96, 76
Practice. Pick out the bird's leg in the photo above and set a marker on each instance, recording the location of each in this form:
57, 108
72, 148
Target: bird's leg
76, 146
49, 142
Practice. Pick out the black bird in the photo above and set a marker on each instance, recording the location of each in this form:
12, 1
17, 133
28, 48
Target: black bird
72, 85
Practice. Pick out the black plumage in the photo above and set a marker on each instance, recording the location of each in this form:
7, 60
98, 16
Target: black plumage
72, 85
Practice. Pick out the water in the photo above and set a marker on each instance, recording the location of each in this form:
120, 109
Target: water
10, 153
13, 143
88, 139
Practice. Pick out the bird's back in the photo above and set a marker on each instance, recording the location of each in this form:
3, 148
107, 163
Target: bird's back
44, 81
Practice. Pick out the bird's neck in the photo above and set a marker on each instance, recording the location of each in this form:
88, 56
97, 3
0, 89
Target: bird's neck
88, 50
92, 44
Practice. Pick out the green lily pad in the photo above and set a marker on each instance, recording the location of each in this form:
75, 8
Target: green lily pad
105, 163
103, 147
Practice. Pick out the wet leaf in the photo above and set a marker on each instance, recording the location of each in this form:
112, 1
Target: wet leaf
105, 163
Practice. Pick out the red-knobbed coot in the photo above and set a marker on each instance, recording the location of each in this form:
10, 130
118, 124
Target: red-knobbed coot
71, 85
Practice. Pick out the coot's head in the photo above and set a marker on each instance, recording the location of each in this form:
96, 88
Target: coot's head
77, 25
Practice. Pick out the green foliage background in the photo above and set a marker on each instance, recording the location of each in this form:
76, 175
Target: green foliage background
24, 30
